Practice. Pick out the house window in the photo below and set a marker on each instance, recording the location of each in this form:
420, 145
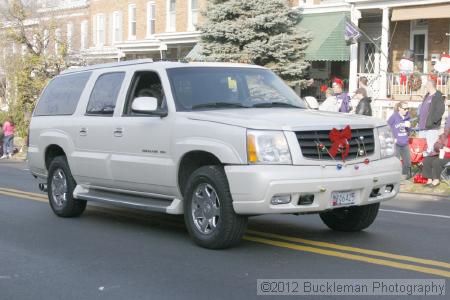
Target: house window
369, 58
151, 18
193, 14
116, 27
83, 35
45, 41
57, 40
172, 15
132, 21
69, 36
419, 43
100, 32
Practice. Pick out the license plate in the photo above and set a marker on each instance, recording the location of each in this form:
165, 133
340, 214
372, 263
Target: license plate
343, 198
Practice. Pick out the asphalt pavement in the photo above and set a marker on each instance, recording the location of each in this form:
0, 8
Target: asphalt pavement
116, 253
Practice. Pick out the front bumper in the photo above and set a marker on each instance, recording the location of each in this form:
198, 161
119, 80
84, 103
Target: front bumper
253, 186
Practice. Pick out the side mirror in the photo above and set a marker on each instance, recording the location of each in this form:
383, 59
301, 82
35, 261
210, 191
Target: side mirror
312, 102
147, 105
144, 105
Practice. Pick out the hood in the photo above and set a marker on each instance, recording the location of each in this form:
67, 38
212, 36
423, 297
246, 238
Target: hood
290, 119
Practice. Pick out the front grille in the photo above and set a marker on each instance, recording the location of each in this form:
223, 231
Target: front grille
309, 140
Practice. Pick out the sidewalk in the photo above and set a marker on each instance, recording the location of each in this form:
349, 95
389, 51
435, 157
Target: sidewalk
443, 190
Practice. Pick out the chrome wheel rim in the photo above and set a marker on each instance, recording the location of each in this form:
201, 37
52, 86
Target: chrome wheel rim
59, 187
205, 208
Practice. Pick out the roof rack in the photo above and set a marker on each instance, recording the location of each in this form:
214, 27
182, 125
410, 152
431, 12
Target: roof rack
108, 65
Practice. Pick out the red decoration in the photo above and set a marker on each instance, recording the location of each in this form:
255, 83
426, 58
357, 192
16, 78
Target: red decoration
366, 161
323, 88
338, 82
339, 141
420, 179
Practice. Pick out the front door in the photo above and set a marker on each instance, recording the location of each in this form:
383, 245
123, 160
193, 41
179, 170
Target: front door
141, 161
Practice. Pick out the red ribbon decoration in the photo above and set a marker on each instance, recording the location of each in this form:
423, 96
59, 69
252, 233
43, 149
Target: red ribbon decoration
340, 141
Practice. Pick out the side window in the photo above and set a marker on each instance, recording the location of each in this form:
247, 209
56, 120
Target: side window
145, 84
62, 94
104, 94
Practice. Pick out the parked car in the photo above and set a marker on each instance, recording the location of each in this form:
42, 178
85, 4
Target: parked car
216, 142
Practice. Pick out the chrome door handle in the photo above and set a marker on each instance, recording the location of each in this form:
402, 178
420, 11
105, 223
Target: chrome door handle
83, 131
118, 132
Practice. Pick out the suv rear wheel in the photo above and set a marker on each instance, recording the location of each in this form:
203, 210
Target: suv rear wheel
208, 210
60, 186
354, 218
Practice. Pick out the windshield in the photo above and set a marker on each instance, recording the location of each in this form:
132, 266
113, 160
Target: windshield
206, 88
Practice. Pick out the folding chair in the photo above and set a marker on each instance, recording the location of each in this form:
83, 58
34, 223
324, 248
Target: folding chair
445, 175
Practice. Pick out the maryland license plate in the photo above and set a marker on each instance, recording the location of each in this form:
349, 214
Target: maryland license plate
343, 198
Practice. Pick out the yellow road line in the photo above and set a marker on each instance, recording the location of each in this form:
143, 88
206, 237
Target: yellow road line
23, 192
389, 263
352, 249
355, 257
17, 195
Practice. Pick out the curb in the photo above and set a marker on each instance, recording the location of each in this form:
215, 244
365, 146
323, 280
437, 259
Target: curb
429, 196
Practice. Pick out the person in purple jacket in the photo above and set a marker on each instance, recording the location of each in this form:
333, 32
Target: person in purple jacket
400, 125
343, 98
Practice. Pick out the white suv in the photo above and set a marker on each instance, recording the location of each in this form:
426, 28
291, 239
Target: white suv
216, 142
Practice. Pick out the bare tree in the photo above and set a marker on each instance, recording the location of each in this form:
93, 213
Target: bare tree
33, 51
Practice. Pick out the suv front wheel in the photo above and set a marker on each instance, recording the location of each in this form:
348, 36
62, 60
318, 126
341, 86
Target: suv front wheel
208, 210
60, 186
354, 218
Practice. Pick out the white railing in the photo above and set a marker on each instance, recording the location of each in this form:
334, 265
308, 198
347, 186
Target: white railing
399, 85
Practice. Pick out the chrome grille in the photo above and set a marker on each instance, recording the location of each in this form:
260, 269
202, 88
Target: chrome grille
309, 141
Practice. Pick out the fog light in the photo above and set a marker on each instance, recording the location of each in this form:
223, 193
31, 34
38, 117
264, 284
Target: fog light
306, 199
375, 193
280, 199
389, 188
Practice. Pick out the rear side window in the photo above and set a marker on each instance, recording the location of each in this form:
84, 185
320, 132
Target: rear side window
62, 94
104, 94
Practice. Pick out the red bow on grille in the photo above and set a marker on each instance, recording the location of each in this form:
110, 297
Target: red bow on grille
340, 141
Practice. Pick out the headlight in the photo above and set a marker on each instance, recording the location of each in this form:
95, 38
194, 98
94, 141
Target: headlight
387, 142
267, 147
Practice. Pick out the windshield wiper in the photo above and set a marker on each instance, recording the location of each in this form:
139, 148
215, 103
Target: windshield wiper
275, 104
219, 105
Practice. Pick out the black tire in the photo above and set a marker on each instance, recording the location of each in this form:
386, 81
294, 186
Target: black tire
71, 207
349, 219
230, 226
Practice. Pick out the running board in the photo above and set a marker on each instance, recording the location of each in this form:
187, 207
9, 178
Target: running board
170, 206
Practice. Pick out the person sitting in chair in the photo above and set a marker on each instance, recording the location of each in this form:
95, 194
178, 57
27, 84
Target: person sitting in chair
434, 165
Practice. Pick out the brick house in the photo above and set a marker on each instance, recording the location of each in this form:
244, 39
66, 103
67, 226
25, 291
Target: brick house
388, 28
131, 29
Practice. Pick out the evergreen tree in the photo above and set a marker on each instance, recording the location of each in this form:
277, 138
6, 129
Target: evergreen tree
261, 32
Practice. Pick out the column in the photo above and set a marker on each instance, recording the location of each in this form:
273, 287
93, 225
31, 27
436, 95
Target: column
384, 53
353, 76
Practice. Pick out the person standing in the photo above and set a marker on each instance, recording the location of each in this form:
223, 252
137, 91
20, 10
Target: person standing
330, 103
8, 139
363, 107
343, 98
1, 139
430, 115
400, 124
363, 83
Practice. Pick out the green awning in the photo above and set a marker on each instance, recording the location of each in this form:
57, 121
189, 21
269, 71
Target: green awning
328, 41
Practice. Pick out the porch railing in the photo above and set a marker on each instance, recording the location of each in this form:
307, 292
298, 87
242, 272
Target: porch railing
399, 85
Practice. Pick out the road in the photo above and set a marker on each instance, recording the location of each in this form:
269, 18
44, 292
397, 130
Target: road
112, 253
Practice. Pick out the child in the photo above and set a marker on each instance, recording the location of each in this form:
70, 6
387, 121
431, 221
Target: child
330, 103
400, 125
